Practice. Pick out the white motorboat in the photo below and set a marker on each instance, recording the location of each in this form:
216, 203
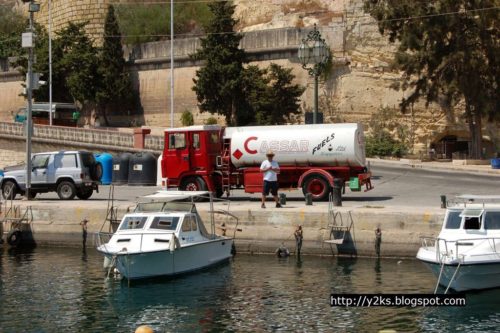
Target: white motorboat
466, 254
164, 237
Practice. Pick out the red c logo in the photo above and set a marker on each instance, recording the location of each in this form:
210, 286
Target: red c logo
245, 145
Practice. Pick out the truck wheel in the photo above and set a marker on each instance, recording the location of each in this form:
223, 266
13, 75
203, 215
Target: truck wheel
9, 190
318, 187
194, 184
66, 190
84, 194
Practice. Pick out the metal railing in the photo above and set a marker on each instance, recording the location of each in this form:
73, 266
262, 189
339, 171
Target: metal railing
444, 248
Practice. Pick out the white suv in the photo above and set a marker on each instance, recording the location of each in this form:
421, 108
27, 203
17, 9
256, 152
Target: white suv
69, 173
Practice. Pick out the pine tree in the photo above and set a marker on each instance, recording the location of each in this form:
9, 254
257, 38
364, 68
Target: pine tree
115, 87
448, 49
218, 84
75, 63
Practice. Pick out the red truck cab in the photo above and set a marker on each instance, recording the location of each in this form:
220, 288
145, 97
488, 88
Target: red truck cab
190, 157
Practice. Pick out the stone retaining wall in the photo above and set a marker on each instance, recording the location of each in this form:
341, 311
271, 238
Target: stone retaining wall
263, 231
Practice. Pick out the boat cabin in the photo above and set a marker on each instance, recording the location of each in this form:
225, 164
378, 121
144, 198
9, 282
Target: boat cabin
472, 219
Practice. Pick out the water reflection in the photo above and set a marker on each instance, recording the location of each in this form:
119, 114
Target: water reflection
66, 290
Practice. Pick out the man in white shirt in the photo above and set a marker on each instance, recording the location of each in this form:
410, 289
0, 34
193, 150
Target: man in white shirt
270, 170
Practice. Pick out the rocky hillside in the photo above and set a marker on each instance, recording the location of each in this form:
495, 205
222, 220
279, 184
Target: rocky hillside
270, 14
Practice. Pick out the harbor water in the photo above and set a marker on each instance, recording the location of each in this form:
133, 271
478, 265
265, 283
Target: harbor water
66, 290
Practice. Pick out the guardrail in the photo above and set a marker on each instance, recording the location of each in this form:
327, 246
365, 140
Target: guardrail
67, 135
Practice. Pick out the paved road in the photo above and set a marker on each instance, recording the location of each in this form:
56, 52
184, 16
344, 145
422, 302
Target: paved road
394, 185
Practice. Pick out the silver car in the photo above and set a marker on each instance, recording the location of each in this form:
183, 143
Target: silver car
69, 173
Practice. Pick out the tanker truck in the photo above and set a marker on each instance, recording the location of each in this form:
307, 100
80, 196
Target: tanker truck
218, 159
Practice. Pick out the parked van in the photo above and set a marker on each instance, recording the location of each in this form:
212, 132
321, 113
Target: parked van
63, 114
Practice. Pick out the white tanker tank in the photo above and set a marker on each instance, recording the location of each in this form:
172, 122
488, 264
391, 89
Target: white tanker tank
298, 145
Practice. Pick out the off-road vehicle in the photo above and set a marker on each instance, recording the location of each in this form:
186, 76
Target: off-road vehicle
69, 173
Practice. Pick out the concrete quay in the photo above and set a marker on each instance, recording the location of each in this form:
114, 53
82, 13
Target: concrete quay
402, 222
57, 223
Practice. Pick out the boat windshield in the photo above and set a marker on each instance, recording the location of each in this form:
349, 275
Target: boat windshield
165, 222
454, 219
133, 222
492, 220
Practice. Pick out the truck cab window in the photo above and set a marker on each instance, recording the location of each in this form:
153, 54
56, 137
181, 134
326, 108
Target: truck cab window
176, 141
214, 138
196, 141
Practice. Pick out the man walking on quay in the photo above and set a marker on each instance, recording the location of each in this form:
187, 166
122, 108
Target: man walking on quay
270, 169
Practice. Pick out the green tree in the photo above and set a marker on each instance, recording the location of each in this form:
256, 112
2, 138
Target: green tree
271, 95
78, 64
12, 25
218, 84
447, 48
114, 88
284, 97
140, 23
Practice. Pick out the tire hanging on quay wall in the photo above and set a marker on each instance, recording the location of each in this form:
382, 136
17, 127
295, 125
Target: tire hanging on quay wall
14, 237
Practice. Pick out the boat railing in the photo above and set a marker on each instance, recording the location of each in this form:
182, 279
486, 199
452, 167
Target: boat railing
444, 248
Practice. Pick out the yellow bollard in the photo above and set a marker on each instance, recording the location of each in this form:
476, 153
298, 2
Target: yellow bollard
144, 329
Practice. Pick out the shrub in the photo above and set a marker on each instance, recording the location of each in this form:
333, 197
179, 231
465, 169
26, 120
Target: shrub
384, 145
187, 118
211, 121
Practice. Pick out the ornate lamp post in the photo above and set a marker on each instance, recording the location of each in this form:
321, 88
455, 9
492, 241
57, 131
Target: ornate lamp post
313, 55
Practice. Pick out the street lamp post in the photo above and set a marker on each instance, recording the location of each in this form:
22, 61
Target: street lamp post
28, 41
313, 55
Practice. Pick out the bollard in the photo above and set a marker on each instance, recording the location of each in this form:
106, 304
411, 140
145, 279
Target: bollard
282, 198
443, 201
337, 192
309, 199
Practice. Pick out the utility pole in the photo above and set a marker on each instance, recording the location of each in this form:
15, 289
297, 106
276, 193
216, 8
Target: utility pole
50, 64
171, 63
28, 41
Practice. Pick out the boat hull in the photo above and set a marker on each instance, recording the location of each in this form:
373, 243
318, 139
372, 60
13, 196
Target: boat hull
183, 260
473, 276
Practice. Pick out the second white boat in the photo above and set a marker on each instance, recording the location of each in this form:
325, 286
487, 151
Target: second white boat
466, 254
